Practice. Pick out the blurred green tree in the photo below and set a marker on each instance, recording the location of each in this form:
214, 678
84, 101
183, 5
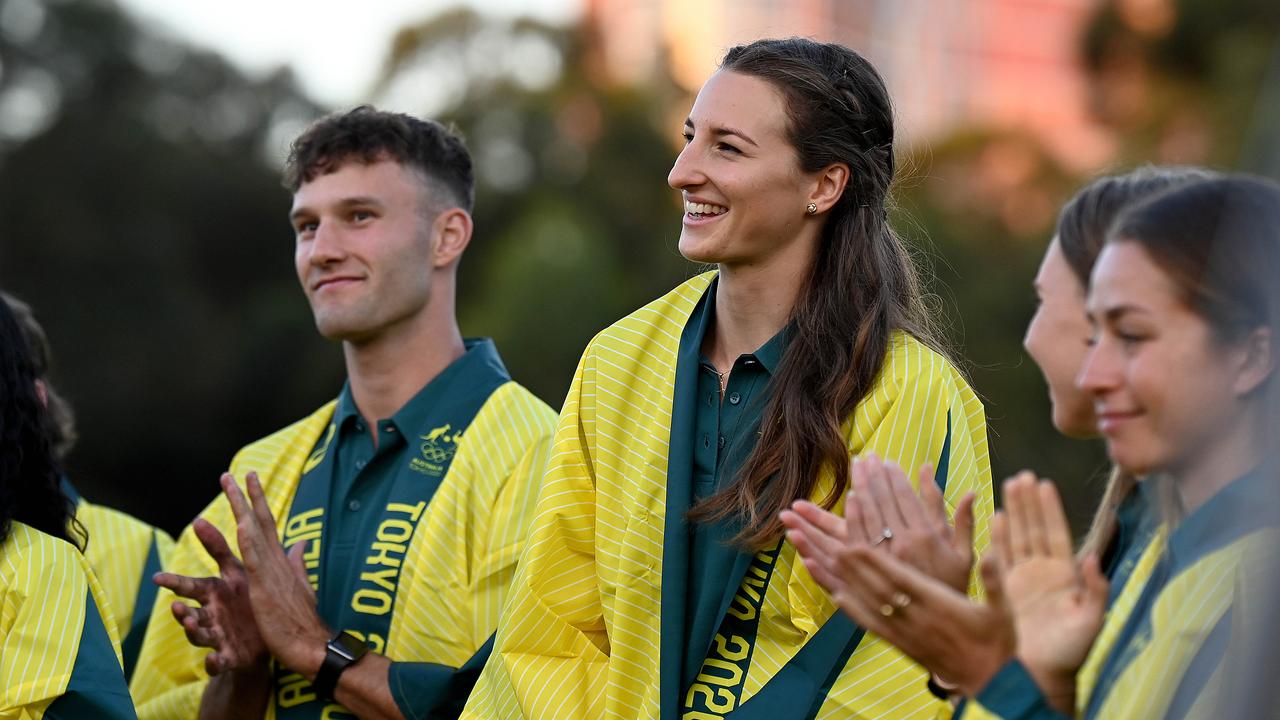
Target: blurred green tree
142, 217
1189, 81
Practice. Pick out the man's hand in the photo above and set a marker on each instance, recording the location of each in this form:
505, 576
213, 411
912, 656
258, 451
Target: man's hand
284, 605
224, 620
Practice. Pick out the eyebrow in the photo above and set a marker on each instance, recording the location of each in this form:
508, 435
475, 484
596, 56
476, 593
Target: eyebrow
723, 130
1117, 312
344, 203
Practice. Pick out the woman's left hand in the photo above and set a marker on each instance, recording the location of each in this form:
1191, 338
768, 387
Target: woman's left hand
884, 513
898, 568
960, 640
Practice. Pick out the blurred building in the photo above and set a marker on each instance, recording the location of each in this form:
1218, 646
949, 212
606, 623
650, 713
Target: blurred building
949, 64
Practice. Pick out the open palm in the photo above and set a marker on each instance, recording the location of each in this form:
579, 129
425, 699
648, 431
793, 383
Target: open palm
1057, 602
1055, 617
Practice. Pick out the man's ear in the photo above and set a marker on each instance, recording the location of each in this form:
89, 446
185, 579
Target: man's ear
452, 230
829, 186
42, 392
1257, 360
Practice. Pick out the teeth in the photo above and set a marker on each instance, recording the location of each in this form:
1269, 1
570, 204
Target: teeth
704, 208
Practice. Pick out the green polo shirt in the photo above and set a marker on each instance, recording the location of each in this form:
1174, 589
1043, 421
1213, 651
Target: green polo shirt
363, 474
725, 432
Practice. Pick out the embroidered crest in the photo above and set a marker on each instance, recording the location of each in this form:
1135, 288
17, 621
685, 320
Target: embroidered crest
438, 448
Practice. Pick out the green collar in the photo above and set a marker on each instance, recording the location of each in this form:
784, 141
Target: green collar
769, 354
454, 385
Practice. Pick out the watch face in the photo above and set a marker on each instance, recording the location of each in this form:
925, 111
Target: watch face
348, 646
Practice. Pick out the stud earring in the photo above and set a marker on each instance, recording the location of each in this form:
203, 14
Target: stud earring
811, 208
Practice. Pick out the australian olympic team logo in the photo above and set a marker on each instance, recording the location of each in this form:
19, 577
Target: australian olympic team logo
438, 448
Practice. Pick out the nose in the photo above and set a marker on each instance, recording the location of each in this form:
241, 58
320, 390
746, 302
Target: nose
1029, 337
1101, 369
327, 246
686, 173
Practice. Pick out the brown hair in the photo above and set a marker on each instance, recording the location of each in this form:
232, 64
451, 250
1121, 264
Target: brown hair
368, 135
1218, 242
1081, 233
1085, 218
861, 287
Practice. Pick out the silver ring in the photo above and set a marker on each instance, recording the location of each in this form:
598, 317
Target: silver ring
885, 534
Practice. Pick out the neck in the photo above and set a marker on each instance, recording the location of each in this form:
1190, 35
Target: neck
752, 305
387, 371
1229, 456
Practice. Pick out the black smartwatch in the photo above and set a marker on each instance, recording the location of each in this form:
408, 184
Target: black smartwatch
340, 653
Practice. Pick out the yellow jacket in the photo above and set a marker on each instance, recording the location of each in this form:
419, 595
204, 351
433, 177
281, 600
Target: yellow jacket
456, 570
124, 553
1161, 649
588, 632
58, 642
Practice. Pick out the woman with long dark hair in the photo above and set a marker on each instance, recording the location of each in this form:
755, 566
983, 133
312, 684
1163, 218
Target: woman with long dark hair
58, 658
657, 583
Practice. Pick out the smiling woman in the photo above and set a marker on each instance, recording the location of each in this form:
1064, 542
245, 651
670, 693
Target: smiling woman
1183, 304
658, 582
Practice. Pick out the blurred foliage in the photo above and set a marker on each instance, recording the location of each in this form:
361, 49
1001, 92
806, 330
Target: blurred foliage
142, 218
141, 214
1188, 81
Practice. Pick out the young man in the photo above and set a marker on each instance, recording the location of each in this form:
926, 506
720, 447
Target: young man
404, 503
123, 551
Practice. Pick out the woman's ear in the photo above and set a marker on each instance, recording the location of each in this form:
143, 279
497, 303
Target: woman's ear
829, 186
1257, 360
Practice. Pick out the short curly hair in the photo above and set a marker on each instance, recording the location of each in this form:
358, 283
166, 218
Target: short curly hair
367, 135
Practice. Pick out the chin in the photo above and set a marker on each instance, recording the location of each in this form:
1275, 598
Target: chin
1081, 425
1130, 460
700, 250
338, 328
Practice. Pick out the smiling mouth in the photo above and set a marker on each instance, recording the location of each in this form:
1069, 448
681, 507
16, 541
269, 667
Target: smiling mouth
331, 282
1110, 420
704, 210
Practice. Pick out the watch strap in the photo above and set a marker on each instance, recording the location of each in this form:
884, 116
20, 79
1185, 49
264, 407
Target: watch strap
341, 652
